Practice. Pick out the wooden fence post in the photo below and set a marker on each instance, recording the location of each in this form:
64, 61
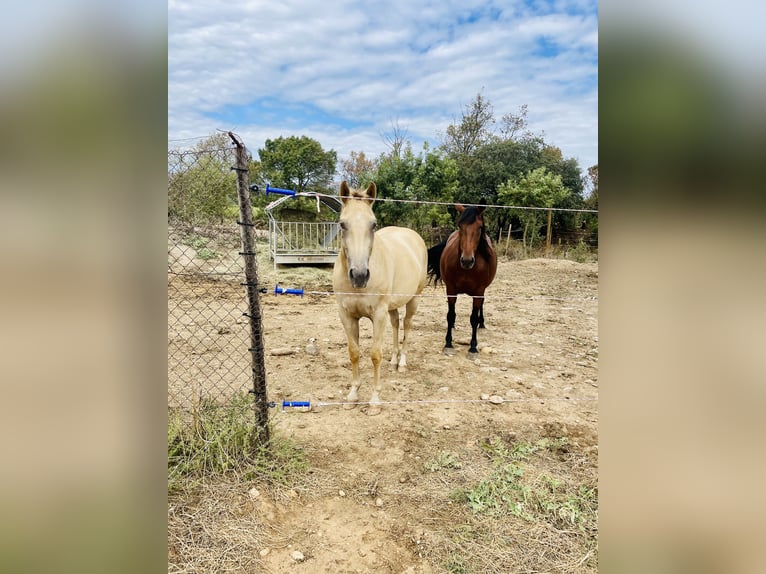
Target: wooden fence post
548, 233
247, 229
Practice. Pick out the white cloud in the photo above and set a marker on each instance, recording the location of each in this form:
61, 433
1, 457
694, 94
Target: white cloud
420, 62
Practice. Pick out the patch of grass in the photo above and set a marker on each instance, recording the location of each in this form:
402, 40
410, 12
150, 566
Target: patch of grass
207, 254
200, 245
581, 252
445, 460
220, 439
196, 241
513, 489
456, 565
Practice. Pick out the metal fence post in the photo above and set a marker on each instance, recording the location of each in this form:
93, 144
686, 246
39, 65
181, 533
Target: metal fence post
247, 227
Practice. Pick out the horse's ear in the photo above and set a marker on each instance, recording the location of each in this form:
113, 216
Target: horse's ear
459, 207
372, 191
345, 192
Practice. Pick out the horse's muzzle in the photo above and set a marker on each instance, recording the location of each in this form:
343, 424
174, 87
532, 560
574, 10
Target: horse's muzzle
359, 278
467, 263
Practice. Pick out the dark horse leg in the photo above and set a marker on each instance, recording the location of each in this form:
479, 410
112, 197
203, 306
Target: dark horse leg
475, 314
481, 314
450, 323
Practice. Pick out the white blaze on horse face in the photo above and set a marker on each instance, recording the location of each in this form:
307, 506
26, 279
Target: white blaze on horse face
357, 223
358, 233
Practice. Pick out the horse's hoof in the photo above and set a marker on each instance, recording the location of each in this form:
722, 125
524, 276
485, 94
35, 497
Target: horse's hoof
374, 410
449, 351
348, 406
472, 355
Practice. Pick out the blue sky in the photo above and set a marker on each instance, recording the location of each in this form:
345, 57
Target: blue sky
345, 72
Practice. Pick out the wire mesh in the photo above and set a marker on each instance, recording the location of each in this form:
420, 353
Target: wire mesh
208, 336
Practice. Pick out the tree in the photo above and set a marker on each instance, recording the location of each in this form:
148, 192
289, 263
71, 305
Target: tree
394, 178
357, 168
297, 163
426, 176
537, 188
474, 129
396, 139
592, 200
201, 186
514, 126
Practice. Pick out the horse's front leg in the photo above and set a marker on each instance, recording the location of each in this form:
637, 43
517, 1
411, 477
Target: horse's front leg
351, 326
475, 320
481, 314
451, 299
378, 327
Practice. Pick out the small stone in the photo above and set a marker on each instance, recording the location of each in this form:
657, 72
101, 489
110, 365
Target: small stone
253, 492
496, 400
341, 493
297, 556
224, 330
446, 427
377, 443
282, 351
312, 348
265, 552
484, 397
402, 479
443, 389
379, 502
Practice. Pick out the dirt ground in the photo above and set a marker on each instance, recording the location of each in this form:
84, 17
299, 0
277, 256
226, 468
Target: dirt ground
380, 496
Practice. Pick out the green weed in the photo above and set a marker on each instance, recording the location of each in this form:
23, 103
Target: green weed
513, 489
456, 565
445, 460
220, 439
207, 254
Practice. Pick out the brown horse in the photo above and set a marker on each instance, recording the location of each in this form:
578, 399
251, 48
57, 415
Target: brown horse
375, 274
467, 263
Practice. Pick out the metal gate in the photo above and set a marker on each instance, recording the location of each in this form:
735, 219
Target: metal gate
303, 242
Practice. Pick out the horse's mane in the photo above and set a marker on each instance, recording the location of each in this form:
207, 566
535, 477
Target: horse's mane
469, 216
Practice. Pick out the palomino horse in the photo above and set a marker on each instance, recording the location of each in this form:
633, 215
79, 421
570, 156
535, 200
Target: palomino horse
467, 263
375, 274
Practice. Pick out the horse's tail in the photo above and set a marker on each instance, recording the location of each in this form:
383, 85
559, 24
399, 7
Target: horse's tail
434, 259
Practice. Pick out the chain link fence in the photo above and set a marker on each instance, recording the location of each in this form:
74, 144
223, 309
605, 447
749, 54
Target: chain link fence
208, 335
